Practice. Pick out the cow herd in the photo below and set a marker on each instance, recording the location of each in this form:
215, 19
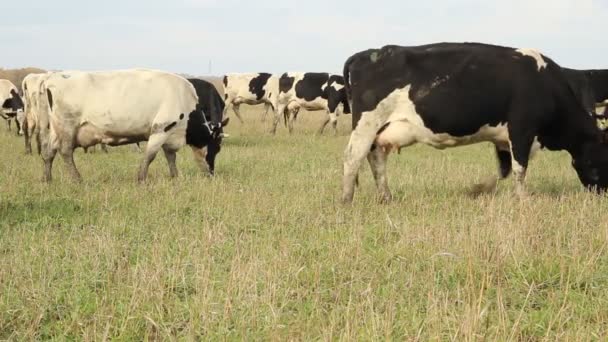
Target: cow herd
442, 95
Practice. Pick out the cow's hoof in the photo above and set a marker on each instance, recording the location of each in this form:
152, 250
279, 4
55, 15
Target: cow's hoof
487, 186
386, 198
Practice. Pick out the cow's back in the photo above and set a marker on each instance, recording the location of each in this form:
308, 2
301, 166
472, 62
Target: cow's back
121, 102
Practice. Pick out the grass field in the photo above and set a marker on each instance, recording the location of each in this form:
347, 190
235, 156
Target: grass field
265, 250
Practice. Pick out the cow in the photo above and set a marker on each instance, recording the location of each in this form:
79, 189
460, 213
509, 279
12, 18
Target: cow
11, 101
454, 94
123, 107
312, 91
29, 120
251, 89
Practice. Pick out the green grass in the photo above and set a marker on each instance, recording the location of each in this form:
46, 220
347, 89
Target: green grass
265, 250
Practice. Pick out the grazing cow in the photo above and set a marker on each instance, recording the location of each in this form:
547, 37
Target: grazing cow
251, 89
12, 104
124, 107
312, 91
453, 94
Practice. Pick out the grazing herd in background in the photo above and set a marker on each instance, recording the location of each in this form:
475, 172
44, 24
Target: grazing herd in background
443, 95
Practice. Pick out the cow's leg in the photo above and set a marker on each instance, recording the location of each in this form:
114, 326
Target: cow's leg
67, 154
277, 117
137, 147
27, 137
322, 128
333, 119
521, 146
104, 148
199, 156
488, 185
361, 140
171, 156
8, 124
293, 113
48, 155
237, 111
155, 142
377, 162
38, 144
266, 109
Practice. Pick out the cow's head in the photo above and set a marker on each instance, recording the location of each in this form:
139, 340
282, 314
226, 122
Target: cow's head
202, 131
592, 166
216, 134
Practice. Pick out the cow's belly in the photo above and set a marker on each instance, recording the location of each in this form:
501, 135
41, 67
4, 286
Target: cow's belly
314, 105
248, 100
89, 135
402, 133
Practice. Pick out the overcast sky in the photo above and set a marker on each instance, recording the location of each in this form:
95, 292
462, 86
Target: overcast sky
277, 36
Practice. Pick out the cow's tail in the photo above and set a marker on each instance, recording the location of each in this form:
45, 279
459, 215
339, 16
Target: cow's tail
348, 90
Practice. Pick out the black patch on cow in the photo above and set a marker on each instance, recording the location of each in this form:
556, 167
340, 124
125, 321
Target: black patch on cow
17, 101
210, 101
225, 81
14, 103
256, 85
310, 86
181, 116
169, 126
285, 83
50, 97
8, 104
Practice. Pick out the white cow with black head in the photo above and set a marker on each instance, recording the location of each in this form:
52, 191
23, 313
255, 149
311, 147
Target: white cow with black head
123, 107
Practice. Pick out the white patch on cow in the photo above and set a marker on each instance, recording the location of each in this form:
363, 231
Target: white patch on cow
405, 127
337, 86
540, 62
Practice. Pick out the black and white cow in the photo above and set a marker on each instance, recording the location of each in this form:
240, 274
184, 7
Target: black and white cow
251, 89
11, 101
124, 107
312, 91
453, 94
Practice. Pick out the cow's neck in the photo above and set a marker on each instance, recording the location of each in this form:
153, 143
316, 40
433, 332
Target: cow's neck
599, 82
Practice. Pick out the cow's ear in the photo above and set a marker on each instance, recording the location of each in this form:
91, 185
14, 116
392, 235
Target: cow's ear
225, 122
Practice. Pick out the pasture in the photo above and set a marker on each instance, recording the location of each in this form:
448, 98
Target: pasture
266, 251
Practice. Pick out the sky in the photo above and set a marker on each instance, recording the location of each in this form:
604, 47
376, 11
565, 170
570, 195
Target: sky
203, 37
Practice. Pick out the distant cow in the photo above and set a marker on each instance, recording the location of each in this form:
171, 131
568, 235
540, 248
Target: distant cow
29, 120
124, 107
451, 94
251, 89
11, 102
312, 91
